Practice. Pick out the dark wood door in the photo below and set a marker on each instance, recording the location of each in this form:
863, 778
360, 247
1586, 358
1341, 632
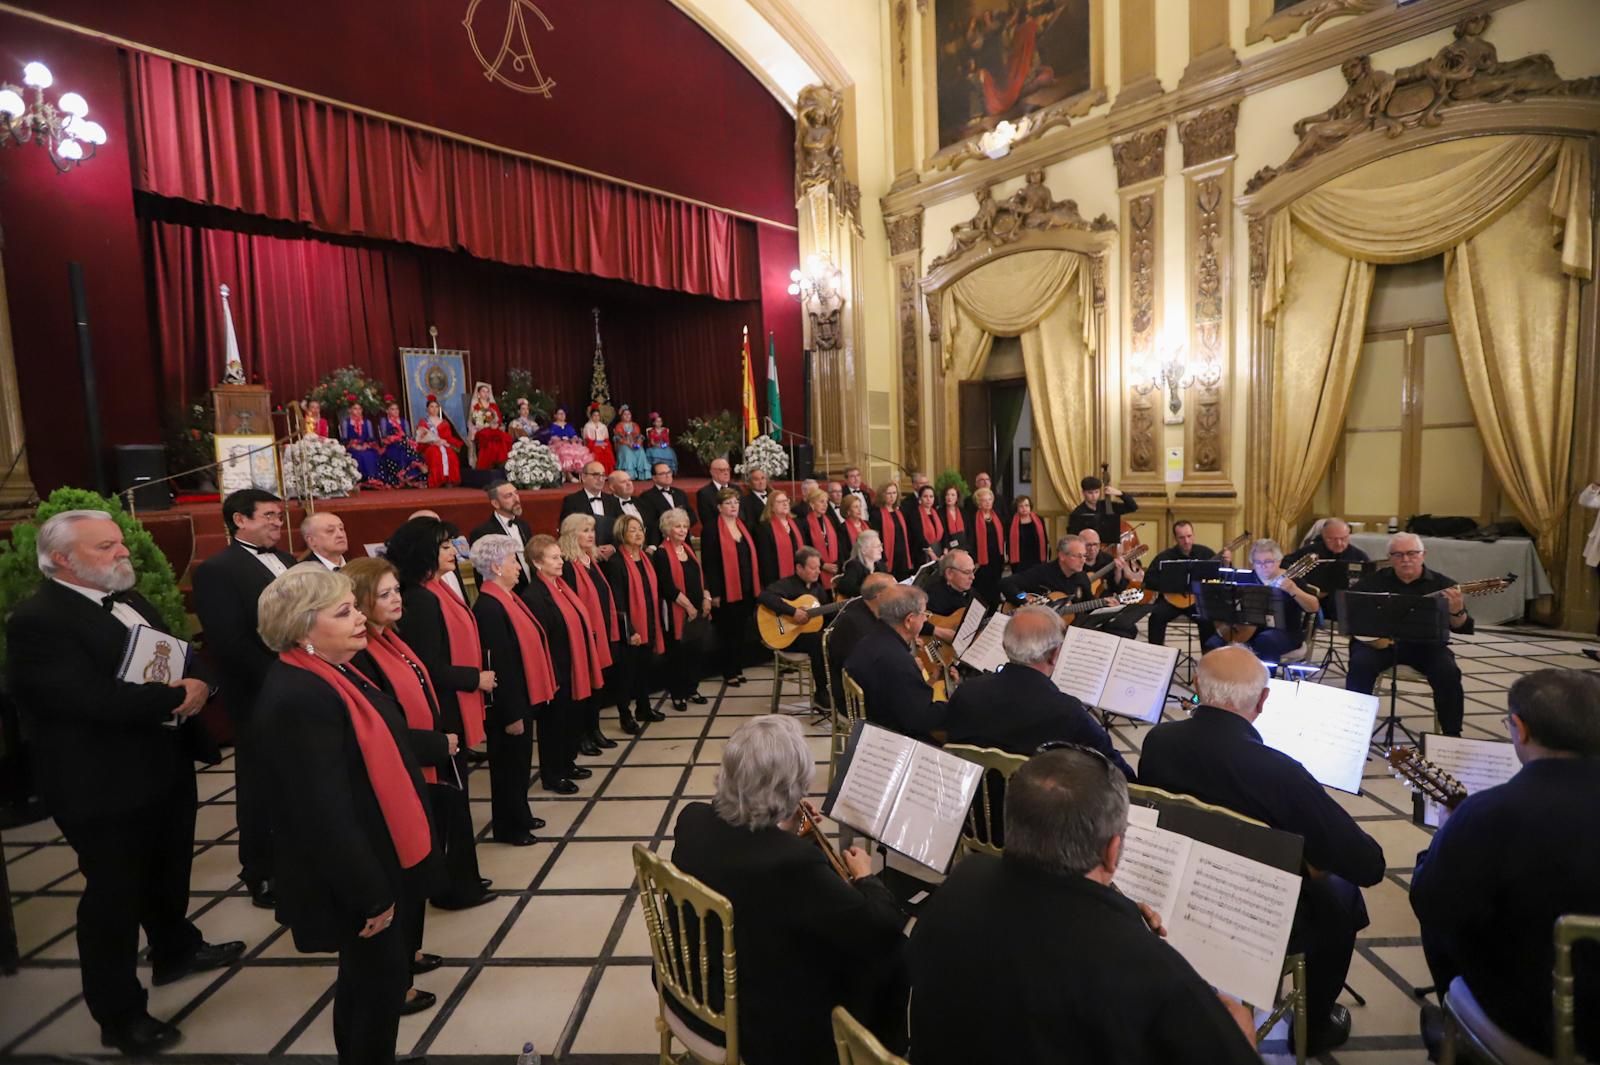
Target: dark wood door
977, 430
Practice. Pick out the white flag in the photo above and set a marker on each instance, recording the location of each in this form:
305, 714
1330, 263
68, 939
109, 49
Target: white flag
232, 364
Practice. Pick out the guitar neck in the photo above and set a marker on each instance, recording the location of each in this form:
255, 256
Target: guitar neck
1085, 606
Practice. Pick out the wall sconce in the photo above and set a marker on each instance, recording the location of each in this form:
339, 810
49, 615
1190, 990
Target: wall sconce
60, 128
820, 284
1173, 373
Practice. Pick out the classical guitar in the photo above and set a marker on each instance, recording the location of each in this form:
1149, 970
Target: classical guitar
1468, 589
1097, 579
1242, 633
1185, 600
1424, 778
779, 631
1062, 604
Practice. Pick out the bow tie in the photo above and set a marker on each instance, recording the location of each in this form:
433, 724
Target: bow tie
113, 598
257, 550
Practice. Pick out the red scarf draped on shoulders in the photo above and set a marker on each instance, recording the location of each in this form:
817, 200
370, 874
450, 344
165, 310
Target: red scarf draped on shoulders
583, 640
398, 800
643, 594
783, 534
465, 650
954, 521
733, 589
981, 535
894, 532
603, 615
1016, 537
853, 529
675, 567
396, 660
823, 539
932, 530
537, 672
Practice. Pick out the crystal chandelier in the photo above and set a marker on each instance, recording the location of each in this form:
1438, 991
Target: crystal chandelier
61, 128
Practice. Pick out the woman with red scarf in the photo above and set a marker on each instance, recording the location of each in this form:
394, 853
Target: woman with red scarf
926, 528
730, 560
855, 523
638, 599
819, 532
777, 539
688, 607
1027, 544
890, 523
397, 672
354, 847
438, 626
575, 655
518, 647
584, 575
988, 546
954, 516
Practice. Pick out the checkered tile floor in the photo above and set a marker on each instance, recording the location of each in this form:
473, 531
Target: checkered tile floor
560, 956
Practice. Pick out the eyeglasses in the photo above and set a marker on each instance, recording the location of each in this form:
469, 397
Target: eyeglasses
963, 572
1405, 554
1067, 745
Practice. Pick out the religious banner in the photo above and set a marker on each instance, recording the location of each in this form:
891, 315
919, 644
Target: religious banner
440, 373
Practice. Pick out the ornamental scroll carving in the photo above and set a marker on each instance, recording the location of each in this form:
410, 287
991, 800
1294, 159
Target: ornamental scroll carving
1258, 250
910, 379
905, 231
1208, 324
1312, 15
1140, 157
1208, 135
1141, 323
1467, 69
1000, 222
819, 157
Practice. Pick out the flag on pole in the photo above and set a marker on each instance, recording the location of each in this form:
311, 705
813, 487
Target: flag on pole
774, 404
751, 422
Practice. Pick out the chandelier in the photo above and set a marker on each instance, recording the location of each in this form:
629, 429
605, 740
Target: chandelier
61, 128
820, 283
1172, 373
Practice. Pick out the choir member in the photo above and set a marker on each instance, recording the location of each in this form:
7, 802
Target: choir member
592, 499
777, 538
638, 600
819, 532
681, 582
729, 552
575, 656
706, 499
754, 502
854, 487
835, 492
1027, 544
897, 695
890, 523
986, 533
804, 578
954, 518
505, 519
853, 523
865, 558
583, 573
1001, 506
925, 528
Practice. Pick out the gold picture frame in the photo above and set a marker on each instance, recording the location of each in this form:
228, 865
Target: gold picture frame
248, 461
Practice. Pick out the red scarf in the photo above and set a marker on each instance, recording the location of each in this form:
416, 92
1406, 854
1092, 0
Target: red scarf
981, 534
853, 530
396, 659
582, 640
537, 671
954, 523
675, 566
932, 528
823, 540
643, 594
465, 650
602, 615
733, 588
1016, 540
783, 539
386, 769
894, 525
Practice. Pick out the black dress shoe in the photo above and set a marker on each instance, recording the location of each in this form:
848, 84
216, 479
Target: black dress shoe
680, 705
425, 964
476, 757
734, 682
140, 1035
650, 713
521, 839
206, 956
262, 895
1331, 1033
602, 740
580, 773
629, 725
1590, 652
698, 699
485, 883
462, 904
535, 824
587, 747
422, 1000
561, 787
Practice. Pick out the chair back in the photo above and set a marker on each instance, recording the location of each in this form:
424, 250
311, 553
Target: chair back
856, 1045
669, 896
854, 705
983, 831
1569, 931
1145, 793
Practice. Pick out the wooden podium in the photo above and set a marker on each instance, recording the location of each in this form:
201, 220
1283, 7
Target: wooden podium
243, 410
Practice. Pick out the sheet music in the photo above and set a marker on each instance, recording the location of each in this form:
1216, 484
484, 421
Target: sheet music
153, 657
1143, 816
1137, 685
971, 621
1478, 764
925, 821
1083, 664
1232, 921
872, 781
986, 652
1327, 730
1152, 865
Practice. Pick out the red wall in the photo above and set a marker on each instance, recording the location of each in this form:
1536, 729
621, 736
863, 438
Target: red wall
642, 94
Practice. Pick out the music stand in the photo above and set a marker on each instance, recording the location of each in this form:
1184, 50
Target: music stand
1330, 577
1409, 618
1178, 576
1241, 604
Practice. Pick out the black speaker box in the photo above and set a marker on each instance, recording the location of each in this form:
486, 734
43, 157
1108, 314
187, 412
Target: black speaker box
803, 460
137, 466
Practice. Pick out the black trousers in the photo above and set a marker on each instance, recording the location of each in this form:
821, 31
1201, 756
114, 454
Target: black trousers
810, 645
1330, 913
559, 720
457, 843
373, 976
986, 582
686, 658
1433, 661
635, 678
1163, 614
136, 874
510, 769
731, 621
252, 808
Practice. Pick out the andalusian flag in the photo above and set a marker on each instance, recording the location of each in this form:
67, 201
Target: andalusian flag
774, 405
752, 427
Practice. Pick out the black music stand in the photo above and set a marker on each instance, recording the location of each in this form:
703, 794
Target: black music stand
1241, 604
1179, 576
1408, 618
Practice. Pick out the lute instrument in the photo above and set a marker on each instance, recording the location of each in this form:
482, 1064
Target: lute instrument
1185, 600
1486, 586
1097, 579
1238, 632
1425, 779
780, 631
810, 827
1063, 605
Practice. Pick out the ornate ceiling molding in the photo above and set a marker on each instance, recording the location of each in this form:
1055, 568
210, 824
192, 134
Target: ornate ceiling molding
1311, 14
1034, 126
1032, 209
1207, 135
1140, 157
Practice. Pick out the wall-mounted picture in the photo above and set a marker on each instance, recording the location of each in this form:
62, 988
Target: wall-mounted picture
247, 462
1001, 59
1024, 465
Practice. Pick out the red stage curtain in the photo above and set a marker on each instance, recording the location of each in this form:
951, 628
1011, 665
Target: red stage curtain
216, 140
302, 306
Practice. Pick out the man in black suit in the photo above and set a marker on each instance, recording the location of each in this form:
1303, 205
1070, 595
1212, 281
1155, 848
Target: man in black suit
659, 498
620, 486
706, 498
835, 514
1218, 757
855, 621
755, 500
1034, 958
908, 501
854, 487
226, 588
1020, 707
950, 589
1510, 860
505, 519
116, 766
897, 694
325, 539
806, 580
599, 505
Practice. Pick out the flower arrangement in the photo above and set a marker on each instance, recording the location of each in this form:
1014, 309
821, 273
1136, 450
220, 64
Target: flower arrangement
347, 385
764, 453
711, 437
318, 468
190, 442
532, 465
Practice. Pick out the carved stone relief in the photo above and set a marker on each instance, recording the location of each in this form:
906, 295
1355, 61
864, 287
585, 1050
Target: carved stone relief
905, 231
1311, 14
1208, 319
1208, 135
1258, 250
1467, 69
910, 378
997, 223
1140, 157
1141, 323
934, 317
819, 157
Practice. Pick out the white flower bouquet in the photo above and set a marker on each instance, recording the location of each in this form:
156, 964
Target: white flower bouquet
532, 465
764, 453
315, 467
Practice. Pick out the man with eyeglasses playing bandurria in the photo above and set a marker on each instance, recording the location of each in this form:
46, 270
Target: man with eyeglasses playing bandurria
1408, 576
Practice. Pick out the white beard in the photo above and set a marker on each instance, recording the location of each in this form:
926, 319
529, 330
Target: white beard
117, 577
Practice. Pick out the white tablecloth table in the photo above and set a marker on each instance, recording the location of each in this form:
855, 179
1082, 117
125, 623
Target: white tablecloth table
1470, 560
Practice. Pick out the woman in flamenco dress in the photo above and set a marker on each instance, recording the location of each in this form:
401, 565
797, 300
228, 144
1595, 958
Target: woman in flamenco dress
628, 436
398, 462
491, 443
440, 445
598, 437
659, 440
357, 436
524, 424
569, 450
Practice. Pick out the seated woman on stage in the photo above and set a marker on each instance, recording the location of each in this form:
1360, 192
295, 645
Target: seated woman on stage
315, 424
1028, 543
398, 462
569, 450
1269, 643
854, 509
490, 442
890, 523
806, 938
683, 589
440, 445
777, 538
865, 558
658, 440
627, 438
598, 438
818, 531
524, 424
355, 433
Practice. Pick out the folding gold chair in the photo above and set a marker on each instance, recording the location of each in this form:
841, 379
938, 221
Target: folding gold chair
985, 835
856, 1045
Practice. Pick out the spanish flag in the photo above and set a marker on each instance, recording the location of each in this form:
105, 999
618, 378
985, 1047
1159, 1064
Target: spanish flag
751, 421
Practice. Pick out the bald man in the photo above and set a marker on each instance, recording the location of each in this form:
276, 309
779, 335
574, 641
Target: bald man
325, 536
897, 695
853, 622
1217, 756
1332, 544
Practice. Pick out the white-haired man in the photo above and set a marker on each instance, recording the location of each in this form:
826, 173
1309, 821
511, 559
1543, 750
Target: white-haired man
116, 774
326, 540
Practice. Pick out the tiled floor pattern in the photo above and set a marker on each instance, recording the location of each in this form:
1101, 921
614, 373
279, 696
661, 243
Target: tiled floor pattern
560, 956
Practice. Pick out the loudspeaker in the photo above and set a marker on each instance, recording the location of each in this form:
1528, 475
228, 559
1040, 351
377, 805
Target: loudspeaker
139, 464
803, 459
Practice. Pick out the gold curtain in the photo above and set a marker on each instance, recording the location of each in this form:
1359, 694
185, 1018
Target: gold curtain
1532, 194
1042, 297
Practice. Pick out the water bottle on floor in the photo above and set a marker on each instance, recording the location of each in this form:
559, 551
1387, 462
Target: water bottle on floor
529, 1056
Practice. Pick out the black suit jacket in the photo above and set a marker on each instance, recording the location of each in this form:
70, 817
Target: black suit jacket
705, 500
652, 504
897, 695
578, 503
1019, 708
421, 626
98, 742
849, 627
806, 938
1012, 964
227, 587
751, 507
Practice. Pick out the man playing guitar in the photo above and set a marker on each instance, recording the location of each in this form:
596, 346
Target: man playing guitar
1331, 545
1266, 568
1068, 578
1183, 549
807, 580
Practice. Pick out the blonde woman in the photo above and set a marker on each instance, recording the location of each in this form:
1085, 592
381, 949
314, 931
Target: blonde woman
638, 598
582, 571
